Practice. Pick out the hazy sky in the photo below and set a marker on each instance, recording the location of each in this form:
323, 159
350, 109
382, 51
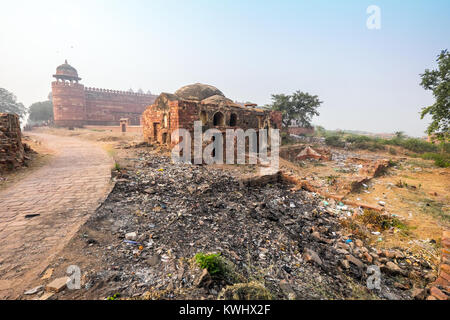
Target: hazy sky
368, 79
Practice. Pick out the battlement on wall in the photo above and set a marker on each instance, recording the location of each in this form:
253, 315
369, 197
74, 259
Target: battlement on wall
66, 84
95, 90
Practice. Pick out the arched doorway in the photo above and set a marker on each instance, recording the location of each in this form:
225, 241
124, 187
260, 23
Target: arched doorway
219, 119
233, 120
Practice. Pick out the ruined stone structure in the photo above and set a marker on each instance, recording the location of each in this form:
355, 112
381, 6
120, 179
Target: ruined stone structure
75, 105
11, 147
199, 102
301, 131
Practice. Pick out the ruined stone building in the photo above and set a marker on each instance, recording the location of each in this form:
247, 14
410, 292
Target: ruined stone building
205, 103
75, 105
11, 147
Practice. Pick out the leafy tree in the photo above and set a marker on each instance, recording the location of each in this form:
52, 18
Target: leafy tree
299, 107
41, 112
438, 81
9, 104
399, 135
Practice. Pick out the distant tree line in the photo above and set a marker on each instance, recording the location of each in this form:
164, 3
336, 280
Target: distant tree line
38, 112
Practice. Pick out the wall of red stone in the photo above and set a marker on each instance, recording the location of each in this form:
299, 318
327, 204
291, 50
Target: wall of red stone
11, 147
107, 107
76, 106
69, 105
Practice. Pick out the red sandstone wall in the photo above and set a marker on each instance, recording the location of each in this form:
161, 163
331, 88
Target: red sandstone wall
276, 118
74, 105
107, 107
68, 104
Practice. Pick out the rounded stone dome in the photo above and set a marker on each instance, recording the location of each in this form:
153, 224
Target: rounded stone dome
66, 71
198, 91
219, 100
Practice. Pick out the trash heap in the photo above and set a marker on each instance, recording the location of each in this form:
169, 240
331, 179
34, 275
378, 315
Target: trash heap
277, 241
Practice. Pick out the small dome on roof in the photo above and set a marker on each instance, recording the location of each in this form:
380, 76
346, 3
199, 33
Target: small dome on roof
219, 100
66, 71
198, 91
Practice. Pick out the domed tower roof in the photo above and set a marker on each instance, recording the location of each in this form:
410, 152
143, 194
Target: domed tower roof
66, 72
198, 92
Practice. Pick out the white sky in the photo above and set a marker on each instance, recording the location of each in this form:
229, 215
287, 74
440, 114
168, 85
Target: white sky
368, 80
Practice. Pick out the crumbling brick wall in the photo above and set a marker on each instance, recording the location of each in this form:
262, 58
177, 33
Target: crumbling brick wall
11, 147
169, 113
299, 131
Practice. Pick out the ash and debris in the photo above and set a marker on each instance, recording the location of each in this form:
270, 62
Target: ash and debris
160, 214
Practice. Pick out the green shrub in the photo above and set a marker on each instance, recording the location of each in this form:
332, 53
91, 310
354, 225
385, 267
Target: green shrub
392, 151
440, 160
357, 139
116, 296
211, 262
413, 144
334, 141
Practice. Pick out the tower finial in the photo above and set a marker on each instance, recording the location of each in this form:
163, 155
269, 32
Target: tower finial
65, 61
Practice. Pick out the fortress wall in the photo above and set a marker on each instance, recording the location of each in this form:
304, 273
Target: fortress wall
107, 107
68, 104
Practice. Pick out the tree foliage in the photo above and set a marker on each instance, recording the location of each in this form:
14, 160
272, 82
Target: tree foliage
438, 81
41, 112
9, 104
300, 107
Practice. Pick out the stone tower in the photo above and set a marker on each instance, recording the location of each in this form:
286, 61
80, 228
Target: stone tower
69, 102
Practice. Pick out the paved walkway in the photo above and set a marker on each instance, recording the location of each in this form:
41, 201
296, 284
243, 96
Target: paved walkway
64, 193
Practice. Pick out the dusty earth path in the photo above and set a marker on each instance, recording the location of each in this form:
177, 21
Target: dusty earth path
63, 194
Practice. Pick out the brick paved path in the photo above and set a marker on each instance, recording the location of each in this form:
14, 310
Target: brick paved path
64, 193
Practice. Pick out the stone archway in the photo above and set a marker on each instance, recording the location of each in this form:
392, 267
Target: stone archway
219, 119
233, 120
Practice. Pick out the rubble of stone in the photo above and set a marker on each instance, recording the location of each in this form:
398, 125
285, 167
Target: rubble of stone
283, 243
13, 153
310, 153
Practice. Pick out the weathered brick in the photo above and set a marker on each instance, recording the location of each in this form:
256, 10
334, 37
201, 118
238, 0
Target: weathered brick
438, 294
11, 147
445, 275
173, 111
57, 285
445, 268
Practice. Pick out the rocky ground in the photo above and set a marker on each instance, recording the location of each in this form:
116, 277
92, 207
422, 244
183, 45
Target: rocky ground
274, 240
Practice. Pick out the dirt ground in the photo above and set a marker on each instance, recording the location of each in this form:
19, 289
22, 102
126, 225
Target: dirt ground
411, 189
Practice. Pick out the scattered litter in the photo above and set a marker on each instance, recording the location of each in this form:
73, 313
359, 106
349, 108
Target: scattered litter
29, 216
131, 242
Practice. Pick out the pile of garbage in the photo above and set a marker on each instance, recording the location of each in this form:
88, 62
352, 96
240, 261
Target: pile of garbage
277, 241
